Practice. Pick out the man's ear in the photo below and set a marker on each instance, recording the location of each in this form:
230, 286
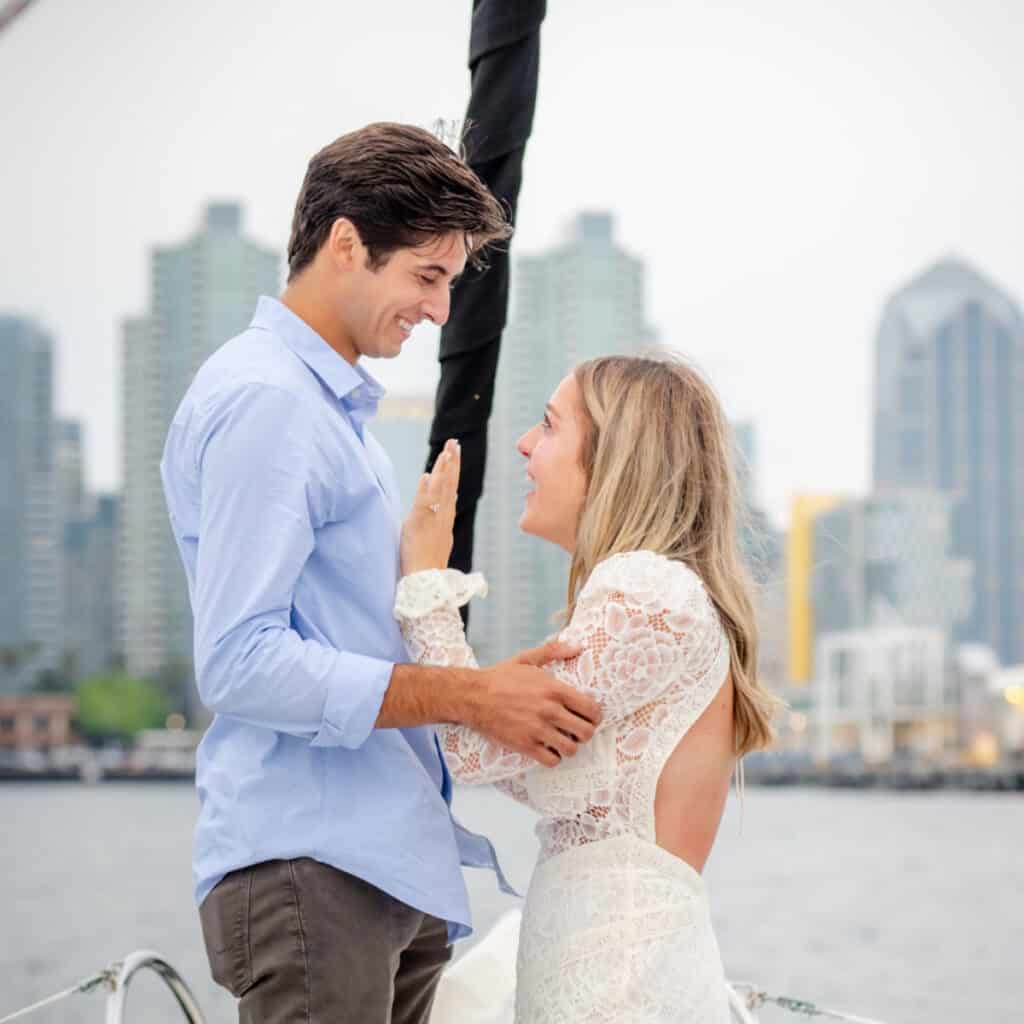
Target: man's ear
344, 245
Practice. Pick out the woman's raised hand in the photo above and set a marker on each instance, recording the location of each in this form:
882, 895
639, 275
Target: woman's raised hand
427, 532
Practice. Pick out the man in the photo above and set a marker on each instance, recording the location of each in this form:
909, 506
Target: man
326, 858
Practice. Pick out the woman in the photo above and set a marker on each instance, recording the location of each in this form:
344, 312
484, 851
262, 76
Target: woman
632, 475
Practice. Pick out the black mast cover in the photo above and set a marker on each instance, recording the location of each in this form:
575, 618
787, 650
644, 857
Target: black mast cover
504, 57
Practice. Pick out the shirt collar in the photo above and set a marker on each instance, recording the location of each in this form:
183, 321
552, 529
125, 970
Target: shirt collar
353, 386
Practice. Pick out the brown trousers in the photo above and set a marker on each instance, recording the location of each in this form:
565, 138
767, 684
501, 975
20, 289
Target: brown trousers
298, 941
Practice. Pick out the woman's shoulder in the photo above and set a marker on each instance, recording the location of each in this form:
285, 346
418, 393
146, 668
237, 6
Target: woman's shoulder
646, 578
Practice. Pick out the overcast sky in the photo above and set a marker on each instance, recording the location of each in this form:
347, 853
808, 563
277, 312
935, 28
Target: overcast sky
781, 167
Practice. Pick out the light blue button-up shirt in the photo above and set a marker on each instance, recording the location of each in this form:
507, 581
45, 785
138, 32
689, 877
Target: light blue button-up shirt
286, 513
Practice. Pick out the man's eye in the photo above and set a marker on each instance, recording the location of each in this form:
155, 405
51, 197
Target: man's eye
428, 280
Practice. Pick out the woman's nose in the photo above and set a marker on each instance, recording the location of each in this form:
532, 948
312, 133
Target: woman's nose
523, 444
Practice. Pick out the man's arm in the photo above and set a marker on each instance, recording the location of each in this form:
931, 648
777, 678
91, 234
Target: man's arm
262, 490
514, 703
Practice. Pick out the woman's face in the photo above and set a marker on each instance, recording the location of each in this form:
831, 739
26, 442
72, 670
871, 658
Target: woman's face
552, 450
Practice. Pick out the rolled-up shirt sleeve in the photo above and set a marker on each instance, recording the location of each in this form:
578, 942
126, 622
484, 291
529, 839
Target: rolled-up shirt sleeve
260, 502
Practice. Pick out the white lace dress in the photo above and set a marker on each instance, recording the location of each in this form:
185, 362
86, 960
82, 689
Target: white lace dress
615, 929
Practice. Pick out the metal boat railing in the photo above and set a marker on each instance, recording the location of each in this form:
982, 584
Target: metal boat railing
116, 979
743, 999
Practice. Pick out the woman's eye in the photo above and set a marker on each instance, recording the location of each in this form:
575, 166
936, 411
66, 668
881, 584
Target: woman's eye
546, 423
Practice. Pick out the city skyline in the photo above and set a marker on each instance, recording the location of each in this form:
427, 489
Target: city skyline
413, 376
779, 172
878, 597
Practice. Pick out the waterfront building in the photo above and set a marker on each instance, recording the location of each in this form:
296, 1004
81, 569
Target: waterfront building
30, 598
1006, 688
949, 373
884, 693
36, 722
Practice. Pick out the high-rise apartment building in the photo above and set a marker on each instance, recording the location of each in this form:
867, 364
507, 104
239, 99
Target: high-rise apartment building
948, 415
582, 298
30, 613
203, 292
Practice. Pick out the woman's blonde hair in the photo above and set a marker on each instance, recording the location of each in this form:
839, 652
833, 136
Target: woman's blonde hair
658, 458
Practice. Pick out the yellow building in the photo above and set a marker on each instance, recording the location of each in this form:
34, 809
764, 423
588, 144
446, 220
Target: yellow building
799, 566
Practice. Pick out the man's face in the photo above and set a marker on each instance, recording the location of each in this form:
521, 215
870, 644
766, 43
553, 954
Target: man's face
383, 306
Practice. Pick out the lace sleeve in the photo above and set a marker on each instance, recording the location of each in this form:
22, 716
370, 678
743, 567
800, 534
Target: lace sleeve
427, 609
644, 622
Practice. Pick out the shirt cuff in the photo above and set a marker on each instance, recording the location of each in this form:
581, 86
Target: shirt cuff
354, 701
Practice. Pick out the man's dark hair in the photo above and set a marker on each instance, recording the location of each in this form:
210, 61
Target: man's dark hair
401, 187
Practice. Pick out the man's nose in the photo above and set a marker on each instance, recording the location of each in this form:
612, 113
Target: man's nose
436, 310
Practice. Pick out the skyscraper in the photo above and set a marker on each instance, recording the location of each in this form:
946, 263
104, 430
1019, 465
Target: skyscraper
29, 533
582, 298
203, 292
948, 414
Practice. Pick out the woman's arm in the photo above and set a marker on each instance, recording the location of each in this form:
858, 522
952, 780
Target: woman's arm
427, 608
